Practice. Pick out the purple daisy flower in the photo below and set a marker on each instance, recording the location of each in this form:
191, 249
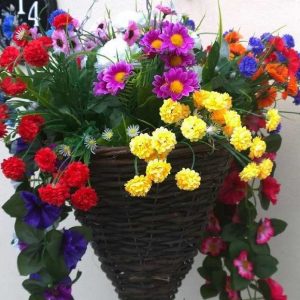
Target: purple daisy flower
132, 33
175, 84
60, 42
74, 247
173, 60
176, 38
62, 291
100, 86
39, 214
75, 43
151, 42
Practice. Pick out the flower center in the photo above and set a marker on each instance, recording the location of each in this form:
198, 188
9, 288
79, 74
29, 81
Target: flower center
177, 39
156, 44
176, 87
59, 43
20, 34
175, 61
245, 264
120, 77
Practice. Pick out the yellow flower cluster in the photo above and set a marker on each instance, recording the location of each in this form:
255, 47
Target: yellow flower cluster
193, 128
188, 180
139, 186
258, 148
173, 111
241, 138
214, 101
273, 119
158, 170
141, 146
232, 120
163, 140
254, 170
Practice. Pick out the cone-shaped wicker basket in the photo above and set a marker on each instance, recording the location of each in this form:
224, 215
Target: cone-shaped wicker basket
147, 245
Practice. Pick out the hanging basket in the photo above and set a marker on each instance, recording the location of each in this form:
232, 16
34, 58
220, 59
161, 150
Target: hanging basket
146, 246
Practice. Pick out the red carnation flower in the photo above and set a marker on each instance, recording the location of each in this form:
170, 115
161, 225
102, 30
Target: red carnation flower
21, 35
3, 112
46, 41
3, 130
13, 168
270, 188
293, 60
278, 43
54, 194
35, 54
233, 189
76, 174
276, 290
62, 21
9, 58
13, 86
45, 158
30, 126
84, 198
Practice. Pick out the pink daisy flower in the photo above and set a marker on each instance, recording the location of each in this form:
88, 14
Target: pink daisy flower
100, 87
175, 83
60, 41
213, 224
213, 246
75, 44
166, 10
265, 232
151, 42
102, 31
132, 33
173, 60
232, 295
176, 38
244, 266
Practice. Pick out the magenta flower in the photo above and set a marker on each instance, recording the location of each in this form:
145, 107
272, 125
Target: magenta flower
173, 60
132, 33
166, 10
213, 246
100, 87
175, 83
244, 266
151, 42
213, 224
176, 38
232, 294
60, 41
265, 232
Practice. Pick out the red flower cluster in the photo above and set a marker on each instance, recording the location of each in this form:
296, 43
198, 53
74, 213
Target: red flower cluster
9, 58
84, 198
76, 175
54, 194
3, 112
62, 21
36, 54
46, 41
21, 35
30, 126
233, 189
3, 130
270, 188
13, 86
13, 168
45, 158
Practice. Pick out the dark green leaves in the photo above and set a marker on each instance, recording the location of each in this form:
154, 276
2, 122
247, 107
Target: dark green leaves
28, 234
211, 63
30, 260
278, 225
273, 142
265, 266
232, 232
208, 291
15, 206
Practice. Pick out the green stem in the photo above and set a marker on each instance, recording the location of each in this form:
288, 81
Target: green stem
194, 156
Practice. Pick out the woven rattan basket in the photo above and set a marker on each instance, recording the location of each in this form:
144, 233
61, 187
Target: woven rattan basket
147, 245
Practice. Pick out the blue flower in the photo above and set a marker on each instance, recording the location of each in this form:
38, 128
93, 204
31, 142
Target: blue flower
2, 97
18, 146
190, 24
281, 57
298, 74
50, 32
277, 130
54, 14
297, 99
74, 247
39, 214
255, 45
265, 37
248, 66
289, 41
8, 26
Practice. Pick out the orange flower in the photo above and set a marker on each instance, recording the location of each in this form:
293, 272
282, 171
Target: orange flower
218, 116
258, 73
278, 72
232, 37
237, 49
267, 98
292, 88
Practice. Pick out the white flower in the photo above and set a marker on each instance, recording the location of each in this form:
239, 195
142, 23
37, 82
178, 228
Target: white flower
120, 22
90, 143
213, 129
196, 37
133, 130
64, 150
107, 134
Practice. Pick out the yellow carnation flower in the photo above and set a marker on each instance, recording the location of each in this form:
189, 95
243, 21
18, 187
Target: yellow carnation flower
265, 168
199, 97
251, 171
217, 101
188, 180
232, 120
241, 138
258, 148
139, 186
158, 170
163, 140
193, 128
141, 146
273, 119
173, 112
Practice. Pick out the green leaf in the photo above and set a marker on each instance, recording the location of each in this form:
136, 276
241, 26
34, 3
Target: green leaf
218, 280
273, 142
264, 202
232, 232
54, 243
211, 63
27, 233
212, 263
236, 247
208, 291
34, 286
264, 289
278, 225
30, 260
37, 297
15, 206
238, 283
264, 266
204, 273
56, 267
247, 212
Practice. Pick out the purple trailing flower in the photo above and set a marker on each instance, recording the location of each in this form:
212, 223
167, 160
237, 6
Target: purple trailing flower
132, 33
255, 45
289, 41
62, 291
112, 79
248, 66
151, 42
172, 60
176, 38
74, 247
39, 214
175, 84
18, 146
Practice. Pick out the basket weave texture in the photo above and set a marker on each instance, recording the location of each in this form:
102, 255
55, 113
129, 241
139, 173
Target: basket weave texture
146, 246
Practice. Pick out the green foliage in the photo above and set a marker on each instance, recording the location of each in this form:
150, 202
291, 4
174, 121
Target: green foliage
15, 206
264, 266
273, 142
28, 234
208, 291
278, 225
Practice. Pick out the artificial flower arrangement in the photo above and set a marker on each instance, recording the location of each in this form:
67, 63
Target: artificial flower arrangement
146, 82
